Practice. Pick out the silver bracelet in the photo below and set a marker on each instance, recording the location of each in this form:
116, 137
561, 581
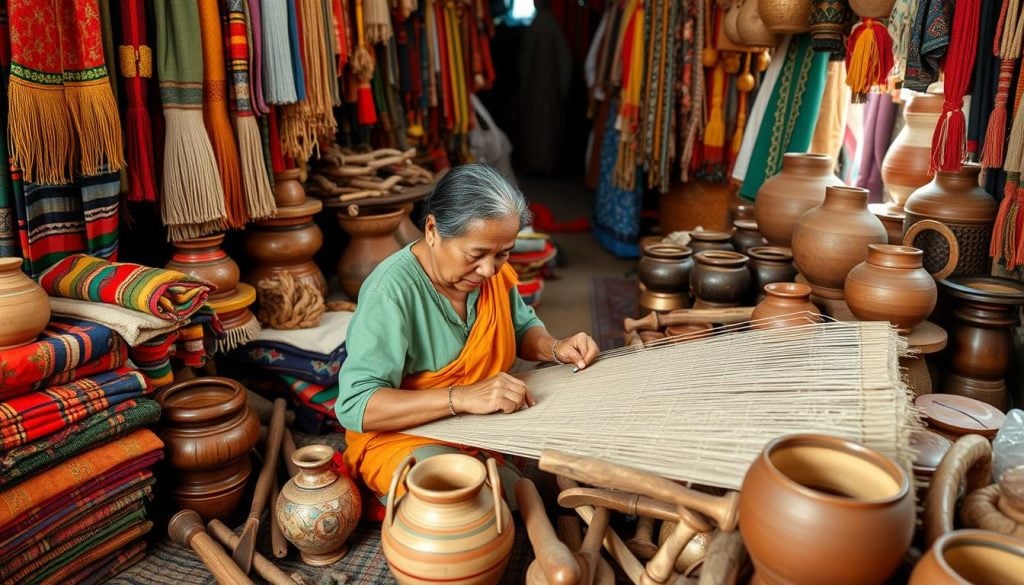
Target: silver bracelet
451, 406
555, 355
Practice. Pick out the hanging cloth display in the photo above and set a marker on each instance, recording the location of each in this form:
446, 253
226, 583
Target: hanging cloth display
362, 67
901, 19
136, 60
949, 143
699, 21
278, 74
1007, 48
377, 21
879, 115
616, 211
312, 118
760, 108
627, 123
9, 245
1004, 232
254, 42
929, 39
63, 119
828, 132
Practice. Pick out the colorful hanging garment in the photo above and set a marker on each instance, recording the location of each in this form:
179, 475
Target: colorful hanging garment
929, 39
698, 35
755, 119
901, 19
949, 143
828, 132
879, 116
9, 243
192, 200
627, 123
1005, 232
665, 23
137, 69
254, 44
278, 75
830, 21
311, 119
63, 117
616, 211
1006, 47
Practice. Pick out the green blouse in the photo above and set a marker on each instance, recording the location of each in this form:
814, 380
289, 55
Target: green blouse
404, 326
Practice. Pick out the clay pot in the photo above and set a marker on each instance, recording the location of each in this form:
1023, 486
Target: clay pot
872, 8
24, 306
318, 509
286, 242
951, 219
786, 304
204, 259
373, 240
407, 231
447, 527
689, 331
746, 236
906, 162
288, 190
666, 268
832, 238
814, 505
785, 17
770, 264
752, 29
208, 431
891, 219
891, 286
661, 302
703, 240
972, 557
720, 279
783, 198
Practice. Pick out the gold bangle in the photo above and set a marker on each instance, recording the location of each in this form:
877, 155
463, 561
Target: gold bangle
554, 355
451, 406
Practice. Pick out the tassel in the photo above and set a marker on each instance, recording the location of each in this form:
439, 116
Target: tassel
996, 250
377, 21
362, 67
714, 133
279, 77
949, 143
259, 196
949, 147
41, 136
868, 58
1013, 218
192, 191
995, 134
238, 336
97, 119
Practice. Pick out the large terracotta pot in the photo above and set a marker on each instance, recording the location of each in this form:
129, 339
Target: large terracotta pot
783, 198
447, 527
286, 242
208, 431
702, 240
373, 240
832, 238
770, 264
951, 219
407, 231
745, 235
816, 505
891, 286
665, 268
906, 163
204, 259
786, 17
318, 509
24, 305
786, 304
972, 557
720, 279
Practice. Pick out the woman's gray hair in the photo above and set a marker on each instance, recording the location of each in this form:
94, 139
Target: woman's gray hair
474, 192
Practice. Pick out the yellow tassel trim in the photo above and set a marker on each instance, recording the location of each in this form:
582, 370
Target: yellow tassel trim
41, 134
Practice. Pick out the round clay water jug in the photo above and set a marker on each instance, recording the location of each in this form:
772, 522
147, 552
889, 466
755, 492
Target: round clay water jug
745, 235
720, 279
814, 505
906, 163
770, 264
24, 305
785, 17
832, 238
665, 268
891, 285
701, 240
204, 259
951, 220
373, 240
447, 527
784, 197
318, 509
972, 557
785, 304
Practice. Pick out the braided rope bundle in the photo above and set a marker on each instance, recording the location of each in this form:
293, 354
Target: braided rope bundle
288, 304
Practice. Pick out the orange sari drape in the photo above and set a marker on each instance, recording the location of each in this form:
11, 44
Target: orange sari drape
490, 349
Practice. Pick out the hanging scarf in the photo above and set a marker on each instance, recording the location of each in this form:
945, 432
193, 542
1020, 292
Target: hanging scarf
259, 197
312, 118
1006, 47
616, 211
137, 69
830, 20
278, 75
828, 132
632, 80
701, 22
192, 201
929, 39
900, 21
377, 21
61, 106
949, 147
254, 63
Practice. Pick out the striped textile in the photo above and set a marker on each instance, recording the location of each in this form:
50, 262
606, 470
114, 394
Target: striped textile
319, 398
65, 345
289, 360
168, 294
237, 48
105, 363
38, 414
105, 568
95, 550
153, 359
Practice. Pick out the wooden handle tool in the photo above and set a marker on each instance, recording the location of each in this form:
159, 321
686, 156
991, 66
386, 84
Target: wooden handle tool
653, 321
555, 559
288, 448
278, 543
612, 543
264, 567
247, 544
641, 544
186, 529
627, 503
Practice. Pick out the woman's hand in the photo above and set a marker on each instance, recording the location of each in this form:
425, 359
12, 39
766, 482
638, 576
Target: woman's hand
500, 393
579, 350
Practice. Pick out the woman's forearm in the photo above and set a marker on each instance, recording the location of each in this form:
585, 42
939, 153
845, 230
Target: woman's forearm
393, 409
536, 344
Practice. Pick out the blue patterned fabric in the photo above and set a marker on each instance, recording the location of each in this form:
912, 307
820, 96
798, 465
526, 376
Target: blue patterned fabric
616, 211
289, 360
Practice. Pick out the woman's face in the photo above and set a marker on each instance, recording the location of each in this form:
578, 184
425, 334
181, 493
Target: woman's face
463, 263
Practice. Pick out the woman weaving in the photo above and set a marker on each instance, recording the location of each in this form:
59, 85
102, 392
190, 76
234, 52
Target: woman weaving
439, 324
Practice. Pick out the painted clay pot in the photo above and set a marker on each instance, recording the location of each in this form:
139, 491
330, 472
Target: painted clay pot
770, 264
286, 242
447, 527
204, 259
720, 279
666, 268
891, 286
814, 505
832, 238
373, 240
972, 557
951, 219
24, 305
208, 431
872, 8
786, 304
288, 190
752, 28
746, 236
703, 240
906, 162
785, 17
318, 509
783, 198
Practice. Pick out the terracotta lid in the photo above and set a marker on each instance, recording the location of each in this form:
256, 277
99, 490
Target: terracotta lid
927, 338
986, 289
307, 207
930, 447
960, 415
745, 224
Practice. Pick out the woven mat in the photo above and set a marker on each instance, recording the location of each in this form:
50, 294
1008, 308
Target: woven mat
613, 298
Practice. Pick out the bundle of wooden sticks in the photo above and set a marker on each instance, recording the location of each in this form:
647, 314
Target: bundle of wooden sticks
350, 176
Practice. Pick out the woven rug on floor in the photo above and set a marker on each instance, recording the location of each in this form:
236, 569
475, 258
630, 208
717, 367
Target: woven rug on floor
613, 298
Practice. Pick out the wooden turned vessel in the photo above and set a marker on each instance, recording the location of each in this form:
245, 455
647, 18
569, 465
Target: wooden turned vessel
208, 431
407, 231
288, 189
906, 162
24, 306
972, 557
286, 243
204, 259
233, 311
981, 340
373, 240
925, 339
770, 264
784, 197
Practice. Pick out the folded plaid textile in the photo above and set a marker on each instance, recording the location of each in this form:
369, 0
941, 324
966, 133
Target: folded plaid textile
168, 294
96, 549
38, 414
153, 359
23, 462
281, 358
66, 344
107, 567
106, 363
315, 396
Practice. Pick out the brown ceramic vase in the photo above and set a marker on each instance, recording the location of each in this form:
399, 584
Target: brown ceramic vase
783, 198
770, 264
832, 238
972, 557
814, 505
786, 304
891, 219
208, 431
665, 268
24, 305
720, 279
745, 235
906, 162
407, 231
951, 219
204, 259
891, 286
288, 190
702, 240
286, 242
318, 509
450, 526
373, 240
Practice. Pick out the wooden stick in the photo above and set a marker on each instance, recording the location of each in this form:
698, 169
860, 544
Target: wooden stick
556, 560
641, 544
724, 562
263, 408
347, 171
626, 503
279, 544
386, 161
654, 322
359, 195
590, 550
288, 450
247, 546
264, 566
663, 565
612, 543
186, 530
